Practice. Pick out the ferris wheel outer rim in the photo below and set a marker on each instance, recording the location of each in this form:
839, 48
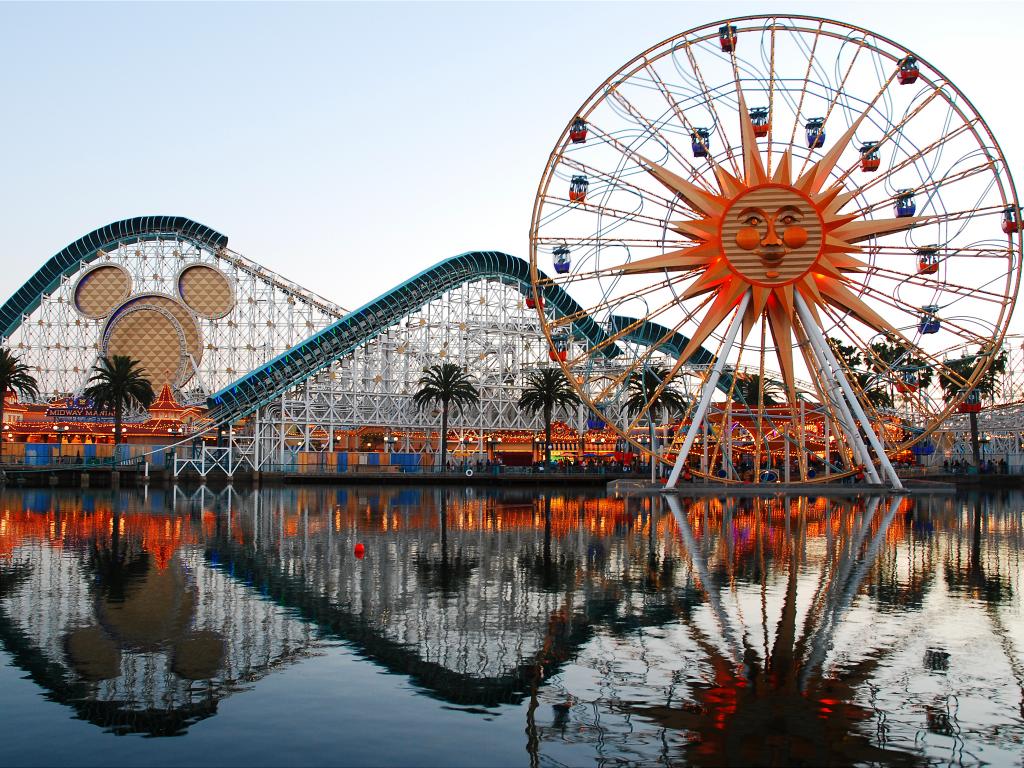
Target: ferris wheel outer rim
1014, 268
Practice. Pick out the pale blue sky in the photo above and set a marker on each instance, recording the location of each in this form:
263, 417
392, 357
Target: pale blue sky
348, 146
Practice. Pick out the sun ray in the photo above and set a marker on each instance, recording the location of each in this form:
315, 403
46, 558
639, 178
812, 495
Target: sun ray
723, 304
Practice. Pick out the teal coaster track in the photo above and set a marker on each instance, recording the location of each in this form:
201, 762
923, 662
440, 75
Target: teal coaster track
302, 361
272, 379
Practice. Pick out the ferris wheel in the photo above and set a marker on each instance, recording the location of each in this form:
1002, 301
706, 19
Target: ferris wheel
774, 227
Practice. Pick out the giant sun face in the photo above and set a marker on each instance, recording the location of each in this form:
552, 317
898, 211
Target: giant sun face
771, 235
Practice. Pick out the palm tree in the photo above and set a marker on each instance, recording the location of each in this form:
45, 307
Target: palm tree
117, 382
643, 390
749, 386
956, 373
446, 384
547, 389
14, 376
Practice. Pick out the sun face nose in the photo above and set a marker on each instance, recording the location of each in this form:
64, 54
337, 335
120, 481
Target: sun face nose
771, 237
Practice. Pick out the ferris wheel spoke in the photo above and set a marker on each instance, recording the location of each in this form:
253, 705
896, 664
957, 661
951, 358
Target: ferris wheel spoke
617, 182
642, 359
612, 301
946, 285
771, 97
624, 332
710, 104
910, 159
839, 90
890, 301
679, 157
696, 175
807, 76
602, 211
933, 186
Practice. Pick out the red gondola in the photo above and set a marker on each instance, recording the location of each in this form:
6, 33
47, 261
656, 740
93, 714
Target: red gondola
759, 119
971, 404
578, 189
531, 304
1011, 221
907, 383
559, 350
869, 159
908, 70
727, 38
578, 131
928, 260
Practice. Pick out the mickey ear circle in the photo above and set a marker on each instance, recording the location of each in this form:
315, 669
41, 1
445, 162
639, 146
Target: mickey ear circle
206, 291
100, 289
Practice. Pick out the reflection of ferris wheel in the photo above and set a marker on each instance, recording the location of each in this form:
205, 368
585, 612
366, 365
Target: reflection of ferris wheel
784, 200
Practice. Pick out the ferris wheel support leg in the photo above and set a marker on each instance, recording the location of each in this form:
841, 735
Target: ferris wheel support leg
707, 391
846, 421
817, 338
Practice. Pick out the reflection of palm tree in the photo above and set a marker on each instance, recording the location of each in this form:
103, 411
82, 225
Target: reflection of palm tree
446, 574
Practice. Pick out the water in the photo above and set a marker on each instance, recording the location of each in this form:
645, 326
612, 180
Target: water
507, 628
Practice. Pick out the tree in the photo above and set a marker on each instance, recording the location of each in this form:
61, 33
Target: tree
14, 377
547, 389
117, 383
643, 392
868, 381
749, 385
954, 377
891, 357
448, 385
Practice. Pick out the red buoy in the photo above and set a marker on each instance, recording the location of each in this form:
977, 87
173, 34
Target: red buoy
360, 551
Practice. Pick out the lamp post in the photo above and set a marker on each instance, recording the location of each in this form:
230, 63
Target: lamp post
389, 443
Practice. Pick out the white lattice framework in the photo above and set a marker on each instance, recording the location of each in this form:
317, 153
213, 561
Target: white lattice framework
484, 326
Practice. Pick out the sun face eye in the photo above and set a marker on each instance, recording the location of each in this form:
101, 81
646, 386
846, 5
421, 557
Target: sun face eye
752, 221
788, 219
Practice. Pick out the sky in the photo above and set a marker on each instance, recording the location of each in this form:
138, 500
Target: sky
349, 146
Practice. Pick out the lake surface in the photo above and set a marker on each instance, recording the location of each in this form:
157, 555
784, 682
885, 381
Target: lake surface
372, 626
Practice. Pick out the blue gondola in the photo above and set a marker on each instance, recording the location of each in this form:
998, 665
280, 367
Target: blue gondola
928, 322
815, 128
561, 259
700, 141
905, 205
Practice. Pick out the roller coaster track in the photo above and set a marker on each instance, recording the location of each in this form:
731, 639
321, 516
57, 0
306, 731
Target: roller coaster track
293, 367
